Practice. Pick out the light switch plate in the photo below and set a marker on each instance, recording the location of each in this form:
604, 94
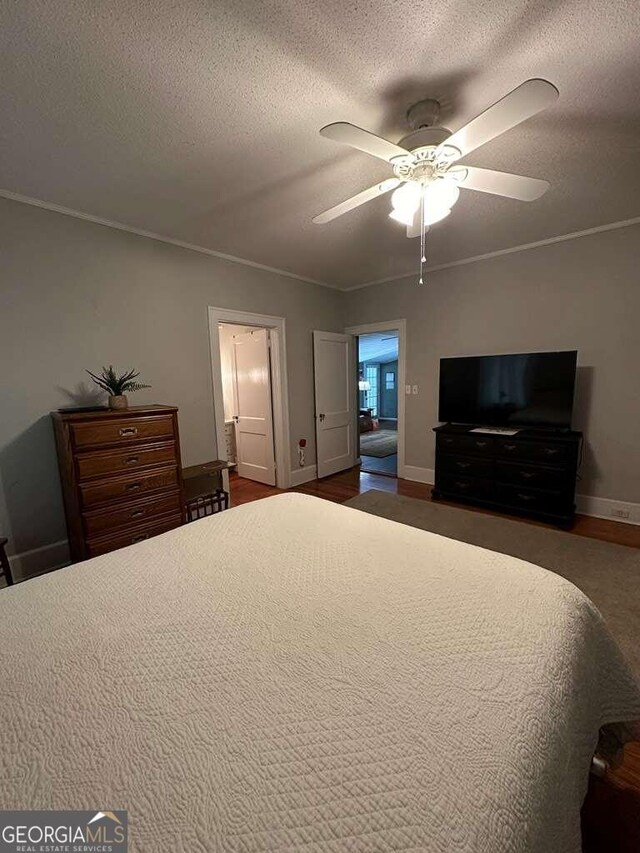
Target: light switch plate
407, 389
415, 389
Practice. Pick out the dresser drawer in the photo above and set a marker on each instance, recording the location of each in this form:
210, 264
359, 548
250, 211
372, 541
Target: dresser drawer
534, 500
127, 488
99, 522
462, 486
538, 476
121, 540
470, 466
542, 451
97, 463
465, 443
121, 430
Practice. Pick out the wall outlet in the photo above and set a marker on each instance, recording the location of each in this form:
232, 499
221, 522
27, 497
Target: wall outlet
407, 389
415, 389
620, 513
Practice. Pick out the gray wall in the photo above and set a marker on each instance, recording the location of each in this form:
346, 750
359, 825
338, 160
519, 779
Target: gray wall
75, 294
581, 294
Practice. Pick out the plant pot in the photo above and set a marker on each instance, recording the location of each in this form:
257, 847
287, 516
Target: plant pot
118, 402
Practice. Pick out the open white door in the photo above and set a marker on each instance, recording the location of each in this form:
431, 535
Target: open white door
335, 401
254, 418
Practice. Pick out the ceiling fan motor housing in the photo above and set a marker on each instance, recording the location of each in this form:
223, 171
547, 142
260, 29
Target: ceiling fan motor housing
424, 137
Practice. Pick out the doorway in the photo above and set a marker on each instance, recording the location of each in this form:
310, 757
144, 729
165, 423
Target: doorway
248, 358
380, 381
246, 393
378, 402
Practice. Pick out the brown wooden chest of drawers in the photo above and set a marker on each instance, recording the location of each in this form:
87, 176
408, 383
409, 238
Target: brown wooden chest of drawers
120, 473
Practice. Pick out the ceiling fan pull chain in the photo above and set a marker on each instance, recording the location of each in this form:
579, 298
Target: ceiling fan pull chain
423, 241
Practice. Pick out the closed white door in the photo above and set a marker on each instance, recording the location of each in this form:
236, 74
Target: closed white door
254, 417
335, 378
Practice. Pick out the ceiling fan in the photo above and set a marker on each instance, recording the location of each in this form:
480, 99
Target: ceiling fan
427, 178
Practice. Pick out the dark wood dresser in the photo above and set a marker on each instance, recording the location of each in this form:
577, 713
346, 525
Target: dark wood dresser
121, 476
531, 473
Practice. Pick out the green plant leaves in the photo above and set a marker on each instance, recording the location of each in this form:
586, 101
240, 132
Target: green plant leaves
115, 384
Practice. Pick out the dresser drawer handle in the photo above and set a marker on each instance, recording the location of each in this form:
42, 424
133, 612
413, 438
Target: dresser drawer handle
462, 485
527, 474
128, 431
550, 451
130, 460
463, 464
140, 538
510, 446
447, 440
481, 443
137, 513
133, 487
526, 497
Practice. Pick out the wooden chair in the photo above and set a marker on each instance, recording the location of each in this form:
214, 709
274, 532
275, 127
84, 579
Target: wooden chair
203, 505
5, 568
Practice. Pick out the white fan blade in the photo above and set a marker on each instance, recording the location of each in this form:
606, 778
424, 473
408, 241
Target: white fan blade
502, 183
525, 101
356, 201
356, 137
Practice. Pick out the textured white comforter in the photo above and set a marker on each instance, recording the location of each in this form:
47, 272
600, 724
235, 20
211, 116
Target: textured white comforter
296, 675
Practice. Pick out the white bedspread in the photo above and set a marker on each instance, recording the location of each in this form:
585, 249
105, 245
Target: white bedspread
296, 675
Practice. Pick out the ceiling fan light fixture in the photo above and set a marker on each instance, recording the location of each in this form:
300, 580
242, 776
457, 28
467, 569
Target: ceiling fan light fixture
441, 193
433, 215
405, 217
406, 199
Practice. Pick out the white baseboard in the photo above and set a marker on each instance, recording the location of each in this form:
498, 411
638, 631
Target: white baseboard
608, 508
303, 475
39, 560
419, 475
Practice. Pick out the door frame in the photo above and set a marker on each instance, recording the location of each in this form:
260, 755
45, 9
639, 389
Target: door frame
399, 326
279, 384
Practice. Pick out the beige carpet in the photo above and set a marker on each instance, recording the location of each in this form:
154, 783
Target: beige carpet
608, 574
380, 443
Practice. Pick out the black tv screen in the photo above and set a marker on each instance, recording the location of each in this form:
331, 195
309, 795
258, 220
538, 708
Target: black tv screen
524, 389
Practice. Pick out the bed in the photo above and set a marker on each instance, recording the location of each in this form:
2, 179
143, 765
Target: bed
294, 675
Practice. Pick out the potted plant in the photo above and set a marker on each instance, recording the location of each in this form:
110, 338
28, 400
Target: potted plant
117, 386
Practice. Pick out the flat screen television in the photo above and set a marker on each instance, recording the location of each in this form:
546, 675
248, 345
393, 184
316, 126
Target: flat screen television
523, 389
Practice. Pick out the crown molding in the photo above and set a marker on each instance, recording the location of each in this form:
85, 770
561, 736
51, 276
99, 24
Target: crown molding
611, 226
151, 235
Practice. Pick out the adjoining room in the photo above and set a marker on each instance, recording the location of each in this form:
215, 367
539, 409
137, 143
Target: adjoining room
378, 402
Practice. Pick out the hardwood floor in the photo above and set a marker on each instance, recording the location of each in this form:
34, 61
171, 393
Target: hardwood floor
611, 814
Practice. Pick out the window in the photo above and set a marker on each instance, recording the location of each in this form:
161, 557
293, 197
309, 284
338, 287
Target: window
389, 381
372, 396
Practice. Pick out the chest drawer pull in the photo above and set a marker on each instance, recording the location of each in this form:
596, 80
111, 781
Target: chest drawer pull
137, 513
131, 460
461, 485
550, 451
527, 474
510, 446
140, 538
133, 487
462, 464
481, 443
526, 497
128, 431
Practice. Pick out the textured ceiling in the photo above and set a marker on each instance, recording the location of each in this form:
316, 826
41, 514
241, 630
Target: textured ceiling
378, 346
199, 120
